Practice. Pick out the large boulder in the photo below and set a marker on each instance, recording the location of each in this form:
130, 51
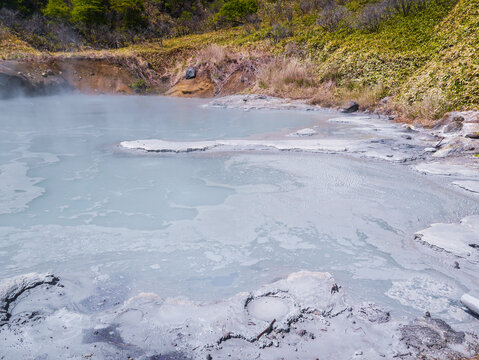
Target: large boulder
190, 73
350, 107
455, 145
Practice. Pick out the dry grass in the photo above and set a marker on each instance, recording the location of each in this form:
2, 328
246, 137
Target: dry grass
11, 47
325, 95
328, 95
290, 77
211, 54
367, 97
427, 110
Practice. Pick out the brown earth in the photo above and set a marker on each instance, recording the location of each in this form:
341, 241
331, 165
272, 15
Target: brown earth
96, 76
201, 87
118, 75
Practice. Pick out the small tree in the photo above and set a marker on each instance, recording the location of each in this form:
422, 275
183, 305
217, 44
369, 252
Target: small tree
332, 17
88, 12
58, 10
235, 12
130, 12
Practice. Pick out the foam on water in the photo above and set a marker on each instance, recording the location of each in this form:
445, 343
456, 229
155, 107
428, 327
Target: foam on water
209, 225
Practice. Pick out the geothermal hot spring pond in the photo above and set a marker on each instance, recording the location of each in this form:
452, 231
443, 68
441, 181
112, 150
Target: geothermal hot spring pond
207, 225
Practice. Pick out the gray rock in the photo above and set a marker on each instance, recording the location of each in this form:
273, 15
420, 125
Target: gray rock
373, 313
11, 289
453, 126
455, 145
190, 73
431, 334
351, 107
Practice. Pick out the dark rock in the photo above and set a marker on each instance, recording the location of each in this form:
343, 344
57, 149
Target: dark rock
47, 73
190, 73
473, 135
335, 288
430, 333
12, 289
351, 107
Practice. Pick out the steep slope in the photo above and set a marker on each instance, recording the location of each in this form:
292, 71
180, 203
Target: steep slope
453, 70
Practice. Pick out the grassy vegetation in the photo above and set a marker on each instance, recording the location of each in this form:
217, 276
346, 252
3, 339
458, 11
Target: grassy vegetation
11, 47
425, 61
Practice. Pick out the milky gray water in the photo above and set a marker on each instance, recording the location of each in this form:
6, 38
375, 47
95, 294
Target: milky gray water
206, 226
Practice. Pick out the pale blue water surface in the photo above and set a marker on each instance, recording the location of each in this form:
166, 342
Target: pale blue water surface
207, 226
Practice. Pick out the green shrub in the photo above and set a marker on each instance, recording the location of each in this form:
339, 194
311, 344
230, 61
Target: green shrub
130, 12
235, 12
58, 10
88, 12
139, 86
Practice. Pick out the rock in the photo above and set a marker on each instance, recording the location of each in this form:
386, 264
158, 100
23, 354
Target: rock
456, 145
454, 239
11, 289
473, 135
431, 334
453, 126
460, 116
190, 73
373, 313
304, 132
47, 73
351, 107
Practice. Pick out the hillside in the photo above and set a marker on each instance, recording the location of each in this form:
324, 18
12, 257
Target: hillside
418, 63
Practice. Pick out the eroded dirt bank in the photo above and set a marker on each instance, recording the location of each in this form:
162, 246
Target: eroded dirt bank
115, 74
56, 75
